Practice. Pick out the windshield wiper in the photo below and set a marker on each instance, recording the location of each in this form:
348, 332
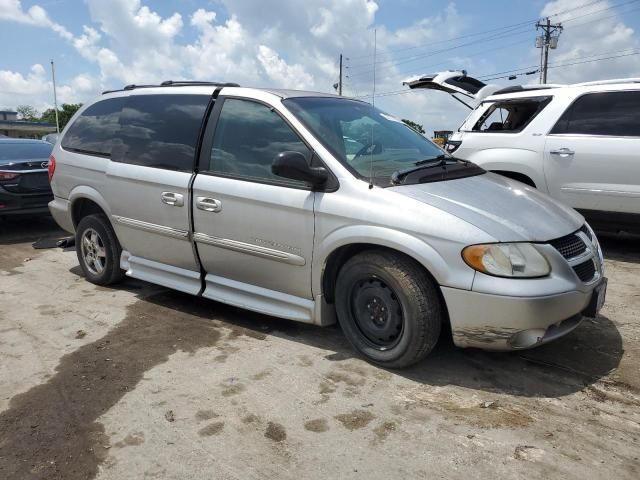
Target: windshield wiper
438, 161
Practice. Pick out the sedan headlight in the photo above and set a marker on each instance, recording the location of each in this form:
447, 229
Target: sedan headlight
521, 260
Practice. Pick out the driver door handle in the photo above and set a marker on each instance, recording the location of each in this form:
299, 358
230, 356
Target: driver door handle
563, 152
208, 204
173, 199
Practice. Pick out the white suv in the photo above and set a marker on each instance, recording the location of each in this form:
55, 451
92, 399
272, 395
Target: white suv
579, 143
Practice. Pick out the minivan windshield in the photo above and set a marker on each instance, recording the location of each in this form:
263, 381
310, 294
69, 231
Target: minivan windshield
369, 142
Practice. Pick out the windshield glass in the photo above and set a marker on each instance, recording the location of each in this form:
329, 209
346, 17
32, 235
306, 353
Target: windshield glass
11, 152
365, 139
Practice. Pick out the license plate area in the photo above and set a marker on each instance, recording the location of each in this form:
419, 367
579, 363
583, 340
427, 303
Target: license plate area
597, 300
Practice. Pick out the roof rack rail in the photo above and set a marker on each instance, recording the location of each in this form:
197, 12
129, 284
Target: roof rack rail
173, 83
607, 82
525, 88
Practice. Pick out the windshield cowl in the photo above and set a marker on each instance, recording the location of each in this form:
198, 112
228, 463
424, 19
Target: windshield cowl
440, 169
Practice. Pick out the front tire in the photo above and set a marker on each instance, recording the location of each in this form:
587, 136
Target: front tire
98, 250
388, 307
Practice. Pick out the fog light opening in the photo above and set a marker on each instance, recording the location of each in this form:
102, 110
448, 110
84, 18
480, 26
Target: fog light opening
527, 338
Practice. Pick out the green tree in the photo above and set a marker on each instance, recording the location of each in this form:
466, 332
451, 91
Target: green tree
64, 114
27, 113
416, 126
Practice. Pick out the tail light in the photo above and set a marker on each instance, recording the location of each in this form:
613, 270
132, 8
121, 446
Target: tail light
51, 167
8, 176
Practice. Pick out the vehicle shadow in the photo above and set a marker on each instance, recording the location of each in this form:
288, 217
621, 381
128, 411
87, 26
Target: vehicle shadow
28, 228
623, 247
560, 368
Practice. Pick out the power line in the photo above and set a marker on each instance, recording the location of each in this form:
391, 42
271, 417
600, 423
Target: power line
520, 71
507, 33
399, 92
506, 27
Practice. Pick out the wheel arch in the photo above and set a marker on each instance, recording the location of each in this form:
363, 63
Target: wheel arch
86, 201
520, 177
337, 252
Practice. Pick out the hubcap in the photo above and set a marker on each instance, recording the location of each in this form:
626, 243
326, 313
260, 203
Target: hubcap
377, 312
93, 252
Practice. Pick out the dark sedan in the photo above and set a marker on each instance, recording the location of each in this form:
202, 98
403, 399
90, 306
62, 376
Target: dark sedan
24, 179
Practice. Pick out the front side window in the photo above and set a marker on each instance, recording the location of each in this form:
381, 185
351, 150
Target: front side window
370, 143
95, 131
510, 116
248, 137
161, 131
605, 113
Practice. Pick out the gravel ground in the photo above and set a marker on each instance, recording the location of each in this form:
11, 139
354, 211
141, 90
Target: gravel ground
141, 382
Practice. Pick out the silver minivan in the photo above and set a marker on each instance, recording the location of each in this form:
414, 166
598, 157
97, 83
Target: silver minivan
314, 207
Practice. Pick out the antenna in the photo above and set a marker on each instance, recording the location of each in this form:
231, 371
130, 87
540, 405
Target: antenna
373, 102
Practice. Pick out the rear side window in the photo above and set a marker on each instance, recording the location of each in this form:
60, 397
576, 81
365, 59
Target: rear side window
510, 116
161, 131
95, 131
606, 113
248, 136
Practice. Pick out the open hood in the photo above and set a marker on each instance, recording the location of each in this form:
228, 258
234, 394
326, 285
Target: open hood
454, 82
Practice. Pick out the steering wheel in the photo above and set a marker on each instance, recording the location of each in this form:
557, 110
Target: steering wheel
371, 148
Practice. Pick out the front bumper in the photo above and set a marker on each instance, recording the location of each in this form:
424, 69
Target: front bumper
498, 322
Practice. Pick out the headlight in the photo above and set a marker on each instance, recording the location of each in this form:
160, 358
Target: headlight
521, 260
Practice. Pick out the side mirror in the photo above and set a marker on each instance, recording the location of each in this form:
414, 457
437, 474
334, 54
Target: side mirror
294, 166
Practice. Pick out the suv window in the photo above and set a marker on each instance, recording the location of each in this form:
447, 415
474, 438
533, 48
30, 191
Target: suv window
161, 131
605, 113
95, 131
510, 116
247, 138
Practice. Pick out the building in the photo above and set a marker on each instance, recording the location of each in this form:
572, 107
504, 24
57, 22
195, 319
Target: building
10, 126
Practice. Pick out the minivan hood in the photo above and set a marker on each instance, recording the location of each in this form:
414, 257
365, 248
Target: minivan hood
506, 209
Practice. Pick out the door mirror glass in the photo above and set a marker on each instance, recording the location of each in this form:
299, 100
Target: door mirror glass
294, 166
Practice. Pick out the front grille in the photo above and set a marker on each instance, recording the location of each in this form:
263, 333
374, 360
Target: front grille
585, 270
569, 246
586, 231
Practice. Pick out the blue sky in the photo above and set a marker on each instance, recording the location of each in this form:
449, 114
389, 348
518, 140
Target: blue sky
100, 44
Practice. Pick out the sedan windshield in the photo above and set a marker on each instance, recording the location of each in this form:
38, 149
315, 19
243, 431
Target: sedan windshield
12, 152
369, 142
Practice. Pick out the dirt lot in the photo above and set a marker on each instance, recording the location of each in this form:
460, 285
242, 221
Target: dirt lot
141, 382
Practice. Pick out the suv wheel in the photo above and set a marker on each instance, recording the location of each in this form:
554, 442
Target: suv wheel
388, 307
98, 250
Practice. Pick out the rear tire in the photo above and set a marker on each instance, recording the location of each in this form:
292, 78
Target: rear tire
98, 250
388, 307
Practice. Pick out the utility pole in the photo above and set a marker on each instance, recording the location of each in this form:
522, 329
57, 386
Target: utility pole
55, 96
340, 81
548, 40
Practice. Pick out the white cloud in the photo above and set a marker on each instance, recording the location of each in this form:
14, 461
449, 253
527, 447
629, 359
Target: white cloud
37, 16
589, 31
289, 44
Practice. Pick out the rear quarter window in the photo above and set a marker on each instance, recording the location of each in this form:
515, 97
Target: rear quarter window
510, 115
95, 131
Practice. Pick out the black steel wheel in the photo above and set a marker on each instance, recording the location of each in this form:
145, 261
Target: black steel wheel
389, 307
